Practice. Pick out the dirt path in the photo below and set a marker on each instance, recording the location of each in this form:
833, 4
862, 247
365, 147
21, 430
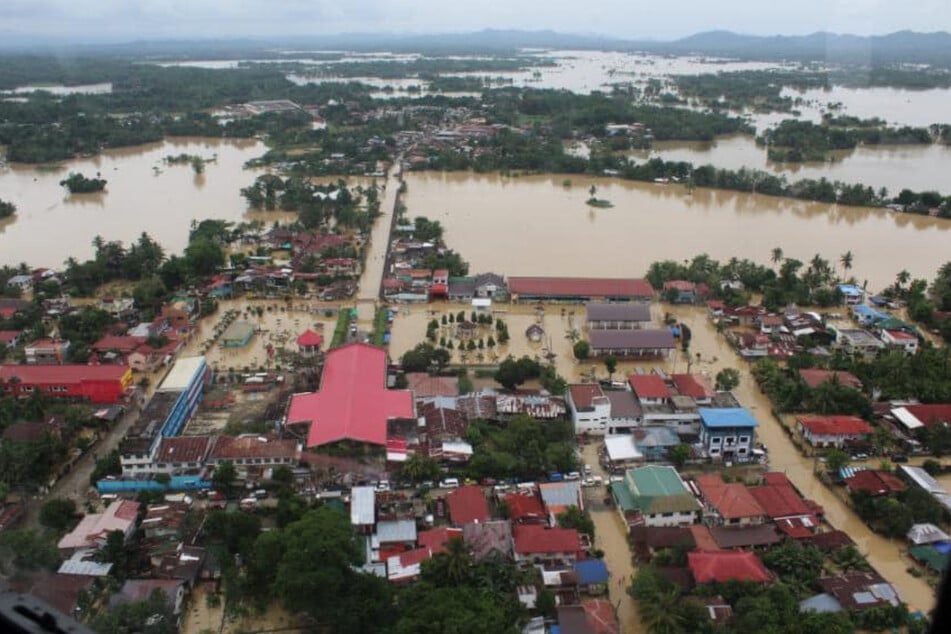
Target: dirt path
883, 554
611, 537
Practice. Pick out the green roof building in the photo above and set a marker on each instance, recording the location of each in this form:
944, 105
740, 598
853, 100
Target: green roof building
655, 496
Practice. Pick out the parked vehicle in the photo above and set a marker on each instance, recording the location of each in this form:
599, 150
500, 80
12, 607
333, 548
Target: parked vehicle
555, 476
574, 475
449, 483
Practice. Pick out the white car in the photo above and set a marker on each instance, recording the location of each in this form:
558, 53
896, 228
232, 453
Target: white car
574, 475
384, 485
449, 483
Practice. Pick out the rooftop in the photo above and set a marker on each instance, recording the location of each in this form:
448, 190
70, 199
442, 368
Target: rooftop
253, 446
649, 386
353, 402
693, 385
728, 537
69, 373
422, 385
779, 500
522, 506
534, 538
875, 482
583, 395
435, 539
727, 565
613, 311
182, 374
814, 378
643, 339
580, 287
309, 338
467, 504
183, 449
120, 515
726, 417
731, 500
835, 425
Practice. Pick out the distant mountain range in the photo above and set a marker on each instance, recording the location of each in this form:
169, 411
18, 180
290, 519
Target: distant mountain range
898, 47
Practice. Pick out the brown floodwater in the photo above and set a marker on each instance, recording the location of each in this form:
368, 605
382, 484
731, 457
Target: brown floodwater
142, 194
534, 225
916, 167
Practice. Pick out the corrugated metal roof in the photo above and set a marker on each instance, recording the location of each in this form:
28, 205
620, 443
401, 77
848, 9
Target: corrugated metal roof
726, 417
560, 493
182, 373
362, 506
396, 531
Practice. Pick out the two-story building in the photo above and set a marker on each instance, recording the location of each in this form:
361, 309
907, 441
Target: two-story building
728, 503
550, 547
832, 431
900, 339
727, 433
590, 408
655, 496
46, 351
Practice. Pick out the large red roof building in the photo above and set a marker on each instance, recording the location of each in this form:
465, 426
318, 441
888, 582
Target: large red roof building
467, 504
732, 501
353, 402
92, 383
727, 565
584, 288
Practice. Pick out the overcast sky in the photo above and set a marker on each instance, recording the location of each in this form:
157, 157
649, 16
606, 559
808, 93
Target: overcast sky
125, 20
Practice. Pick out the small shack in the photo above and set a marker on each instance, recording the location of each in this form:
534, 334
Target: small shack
238, 334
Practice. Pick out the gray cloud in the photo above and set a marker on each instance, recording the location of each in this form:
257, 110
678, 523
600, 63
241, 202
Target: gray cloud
132, 19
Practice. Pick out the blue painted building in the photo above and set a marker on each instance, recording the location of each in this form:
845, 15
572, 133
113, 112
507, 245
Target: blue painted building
134, 485
851, 294
727, 433
187, 378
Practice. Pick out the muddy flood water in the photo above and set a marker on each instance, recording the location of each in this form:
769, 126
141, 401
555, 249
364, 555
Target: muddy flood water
142, 194
535, 225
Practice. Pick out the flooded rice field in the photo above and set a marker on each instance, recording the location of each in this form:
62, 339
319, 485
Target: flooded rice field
142, 194
535, 225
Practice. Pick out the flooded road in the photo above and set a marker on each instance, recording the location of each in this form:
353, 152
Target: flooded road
375, 261
916, 167
883, 554
534, 225
611, 537
142, 194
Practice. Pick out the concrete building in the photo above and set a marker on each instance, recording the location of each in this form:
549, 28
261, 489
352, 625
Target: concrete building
655, 496
727, 433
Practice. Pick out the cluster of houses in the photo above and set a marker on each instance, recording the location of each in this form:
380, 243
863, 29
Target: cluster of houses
644, 418
519, 526
724, 526
760, 333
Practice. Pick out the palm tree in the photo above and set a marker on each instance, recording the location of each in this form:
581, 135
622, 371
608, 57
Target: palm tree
458, 560
662, 615
901, 279
777, 255
846, 261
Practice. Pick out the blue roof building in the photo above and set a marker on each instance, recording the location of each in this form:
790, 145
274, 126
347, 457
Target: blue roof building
726, 433
591, 572
851, 294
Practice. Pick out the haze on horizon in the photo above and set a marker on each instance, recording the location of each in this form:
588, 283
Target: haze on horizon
128, 20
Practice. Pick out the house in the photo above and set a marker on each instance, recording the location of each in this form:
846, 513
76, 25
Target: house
749, 536
655, 496
309, 342
95, 384
406, 566
490, 539
423, 386
164, 521
647, 541
727, 565
653, 443
646, 342
46, 351
874, 482
590, 408
363, 509
814, 377
550, 547
680, 292
186, 563
467, 504
926, 534
832, 431
62, 592
616, 316
728, 503
621, 451
696, 386
94, 528
727, 433
441, 425
181, 453
401, 532
768, 324
780, 500
525, 508
592, 575
558, 497
866, 315
145, 358
851, 294
436, 539
860, 590
913, 417
137, 590
650, 389
353, 403
901, 340
626, 413
254, 454
10, 306
578, 289
21, 282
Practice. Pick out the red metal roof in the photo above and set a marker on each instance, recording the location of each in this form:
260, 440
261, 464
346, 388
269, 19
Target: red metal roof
900, 334
731, 500
779, 500
70, 373
648, 386
580, 287
776, 477
798, 527
875, 482
353, 402
931, 414
534, 538
835, 425
814, 378
582, 394
183, 449
727, 565
436, 539
524, 507
6, 336
124, 344
695, 385
310, 338
467, 504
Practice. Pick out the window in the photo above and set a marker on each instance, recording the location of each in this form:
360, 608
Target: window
741, 450
744, 439
715, 440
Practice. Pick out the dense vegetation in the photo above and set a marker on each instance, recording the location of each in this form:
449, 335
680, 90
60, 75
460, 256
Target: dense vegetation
796, 141
79, 184
523, 448
7, 209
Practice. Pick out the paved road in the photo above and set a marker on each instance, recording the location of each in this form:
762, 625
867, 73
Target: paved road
75, 484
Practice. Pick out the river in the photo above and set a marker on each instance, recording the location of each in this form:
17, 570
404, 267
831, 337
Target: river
534, 225
916, 167
142, 194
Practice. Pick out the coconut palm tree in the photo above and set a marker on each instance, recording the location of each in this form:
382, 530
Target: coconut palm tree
901, 279
846, 261
458, 560
777, 256
662, 615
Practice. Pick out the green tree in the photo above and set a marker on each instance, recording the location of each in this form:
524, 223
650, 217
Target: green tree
224, 476
419, 468
727, 379
151, 616
777, 255
546, 603
610, 363
58, 514
577, 519
679, 454
662, 614
582, 349
836, 459
29, 550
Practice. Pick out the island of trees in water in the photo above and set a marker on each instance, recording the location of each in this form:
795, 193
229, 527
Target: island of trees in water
77, 183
